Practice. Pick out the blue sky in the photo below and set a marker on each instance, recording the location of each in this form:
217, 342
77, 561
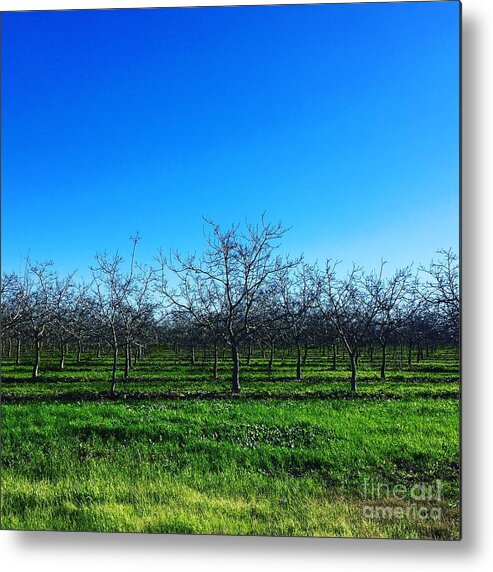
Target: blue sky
340, 120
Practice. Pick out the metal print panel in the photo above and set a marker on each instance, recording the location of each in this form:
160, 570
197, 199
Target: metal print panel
230, 273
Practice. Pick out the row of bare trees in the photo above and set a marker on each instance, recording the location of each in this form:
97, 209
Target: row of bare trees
239, 292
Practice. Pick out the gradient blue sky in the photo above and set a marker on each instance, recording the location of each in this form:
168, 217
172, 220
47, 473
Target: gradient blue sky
340, 120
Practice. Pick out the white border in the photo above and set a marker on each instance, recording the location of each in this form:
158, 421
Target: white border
55, 552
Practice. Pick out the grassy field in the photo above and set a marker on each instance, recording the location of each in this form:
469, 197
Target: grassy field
175, 452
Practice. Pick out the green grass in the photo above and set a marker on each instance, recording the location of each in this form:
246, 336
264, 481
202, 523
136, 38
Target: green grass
284, 458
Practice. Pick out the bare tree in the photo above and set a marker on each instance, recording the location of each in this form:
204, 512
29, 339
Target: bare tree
394, 299
82, 319
122, 300
297, 295
197, 300
347, 305
269, 321
236, 264
43, 291
62, 305
441, 288
12, 303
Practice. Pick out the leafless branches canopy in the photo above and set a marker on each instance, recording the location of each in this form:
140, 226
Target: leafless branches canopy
221, 289
240, 292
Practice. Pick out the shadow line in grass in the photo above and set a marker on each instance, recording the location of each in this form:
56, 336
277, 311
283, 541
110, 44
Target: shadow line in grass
306, 381
215, 395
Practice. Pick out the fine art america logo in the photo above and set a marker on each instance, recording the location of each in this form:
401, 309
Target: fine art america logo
420, 501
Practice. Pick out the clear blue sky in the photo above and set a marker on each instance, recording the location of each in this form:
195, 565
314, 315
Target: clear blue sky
340, 120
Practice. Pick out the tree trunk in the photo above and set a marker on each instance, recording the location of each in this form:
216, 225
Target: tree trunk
79, 350
298, 362
18, 351
249, 355
334, 357
99, 351
192, 354
371, 353
271, 357
115, 365
305, 354
62, 355
384, 362
37, 358
127, 361
235, 381
352, 358
9, 347
214, 368
130, 362
409, 355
